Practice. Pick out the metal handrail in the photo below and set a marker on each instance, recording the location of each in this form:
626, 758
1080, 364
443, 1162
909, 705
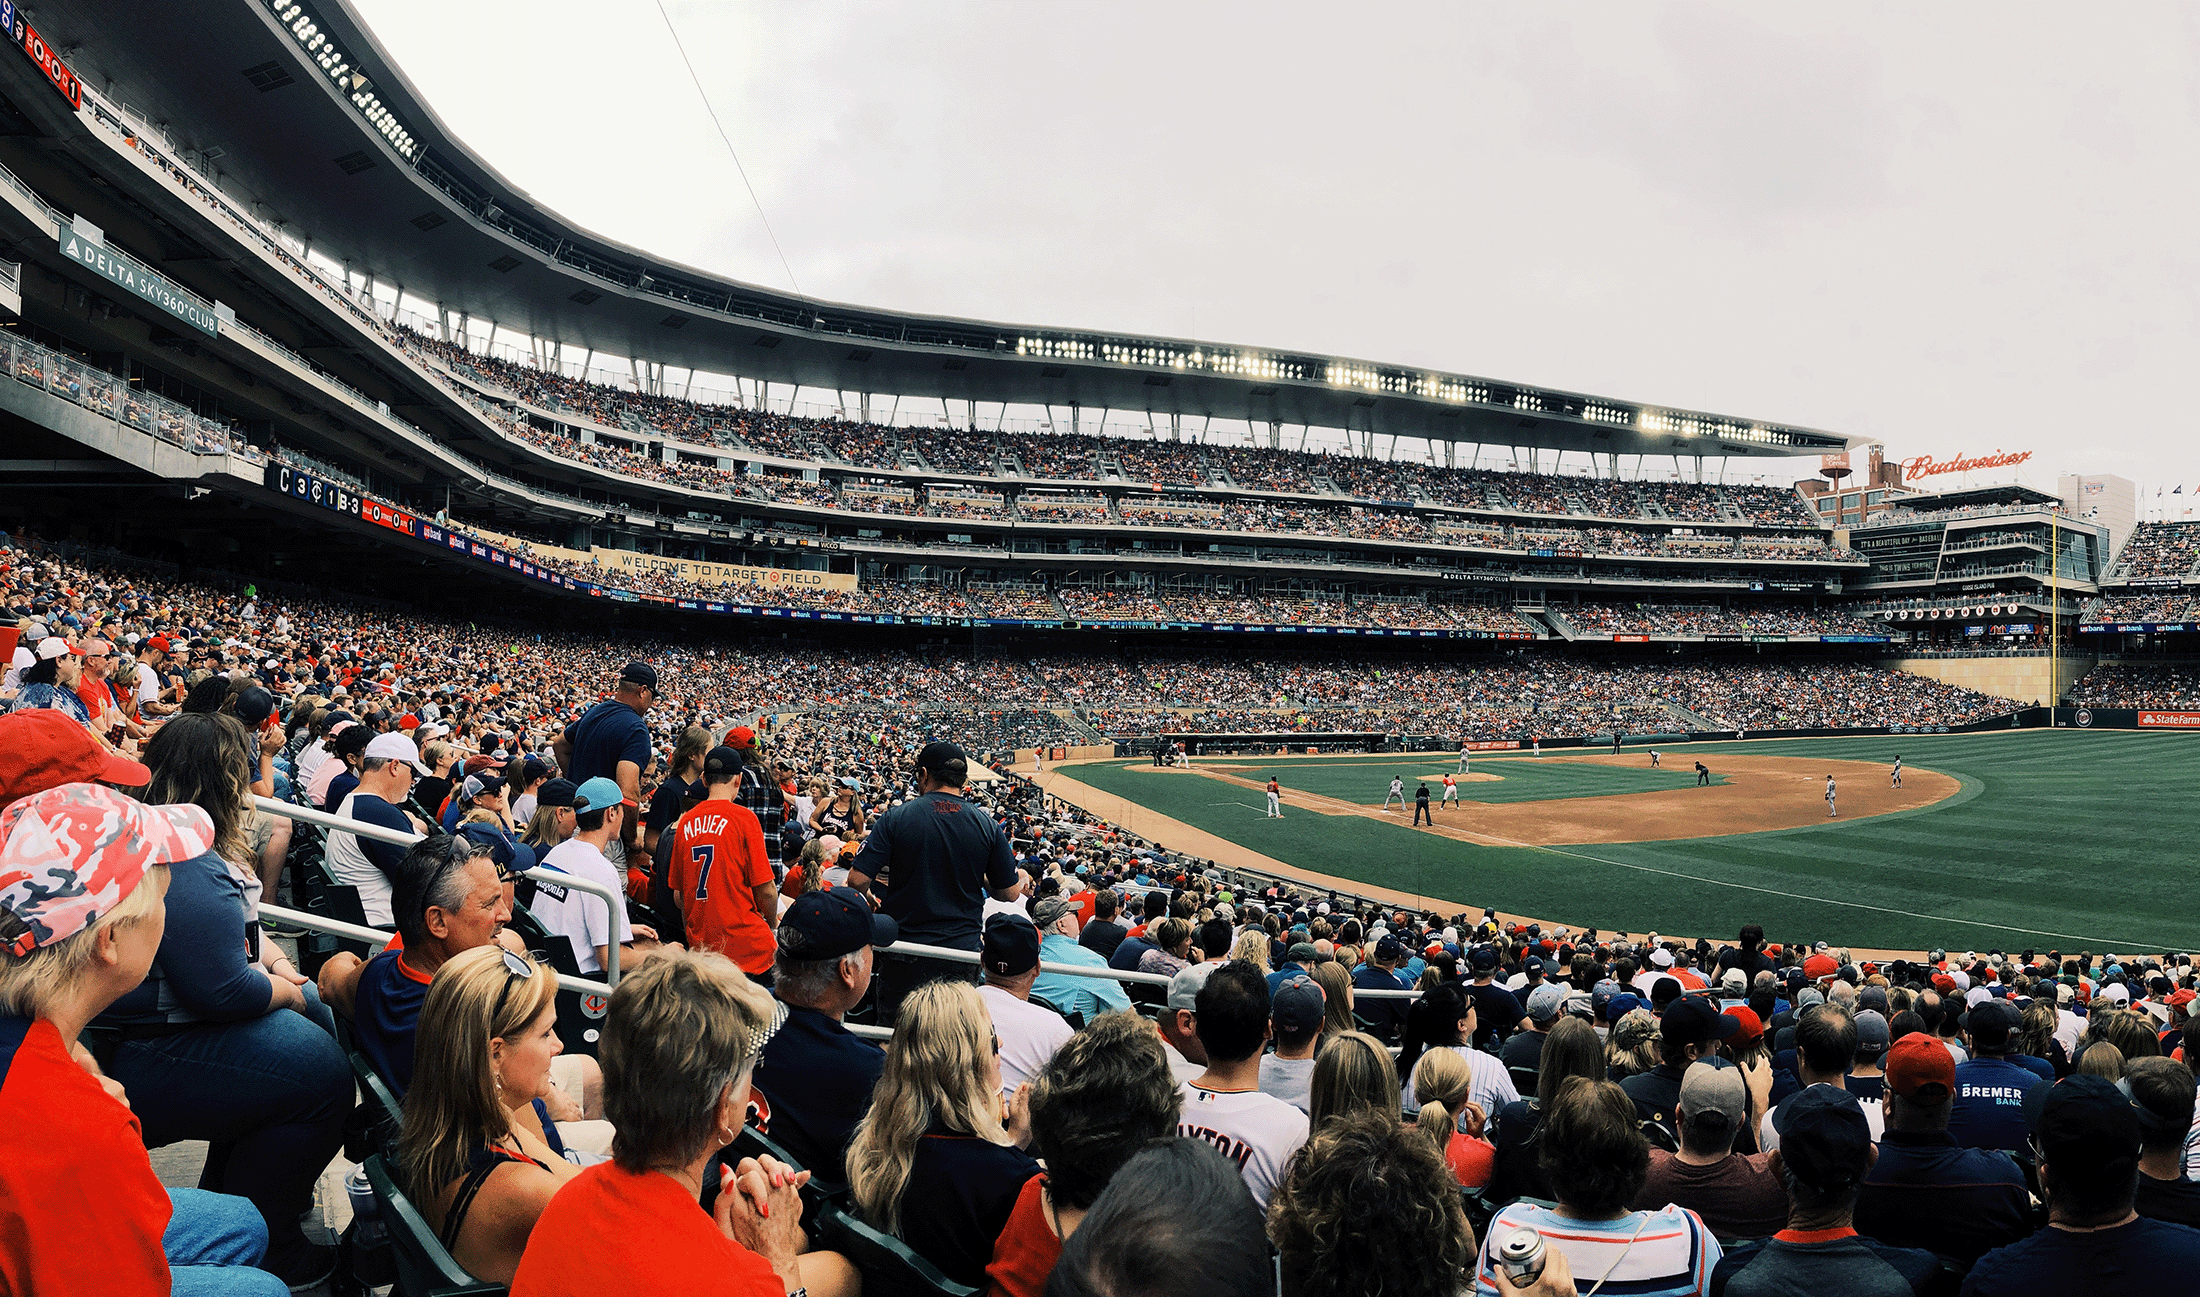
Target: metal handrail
400, 837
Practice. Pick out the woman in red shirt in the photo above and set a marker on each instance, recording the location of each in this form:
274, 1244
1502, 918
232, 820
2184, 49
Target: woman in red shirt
1453, 1123
679, 1044
80, 1208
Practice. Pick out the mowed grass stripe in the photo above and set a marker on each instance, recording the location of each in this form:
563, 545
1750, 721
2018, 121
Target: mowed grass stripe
2082, 833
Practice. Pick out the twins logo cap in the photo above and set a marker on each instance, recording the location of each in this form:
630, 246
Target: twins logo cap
71, 854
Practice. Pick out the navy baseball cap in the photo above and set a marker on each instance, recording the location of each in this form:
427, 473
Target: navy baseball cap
722, 761
1689, 1020
1482, 959
1298, 1004
1825, 1139
639, 673
829, 924
557, 792
1011, 945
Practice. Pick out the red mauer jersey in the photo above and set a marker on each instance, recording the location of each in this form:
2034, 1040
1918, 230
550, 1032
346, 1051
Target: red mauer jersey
716, 864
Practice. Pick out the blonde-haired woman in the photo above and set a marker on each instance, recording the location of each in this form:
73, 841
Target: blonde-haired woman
1453, 1123
1336, 987
680, 1044
1252, 948
1354, 1073
479, 1156
1632, 1048
938, 1162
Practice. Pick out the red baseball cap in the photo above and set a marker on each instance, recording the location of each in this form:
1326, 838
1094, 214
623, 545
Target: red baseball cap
1753, 1028
1918, 1061
740, 736
43, 748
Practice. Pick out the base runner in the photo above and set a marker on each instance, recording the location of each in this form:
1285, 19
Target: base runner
1451, 790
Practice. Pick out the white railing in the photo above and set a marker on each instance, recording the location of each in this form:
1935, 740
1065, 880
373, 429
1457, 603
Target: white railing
401, 837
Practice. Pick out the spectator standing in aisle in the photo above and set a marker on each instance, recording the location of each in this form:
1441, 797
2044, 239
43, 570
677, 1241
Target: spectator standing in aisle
718, 883
611, 741
929, 864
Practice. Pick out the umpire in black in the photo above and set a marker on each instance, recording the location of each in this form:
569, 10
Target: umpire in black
929, 864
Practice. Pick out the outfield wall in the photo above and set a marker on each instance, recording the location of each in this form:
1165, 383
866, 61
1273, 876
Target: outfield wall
2033, 681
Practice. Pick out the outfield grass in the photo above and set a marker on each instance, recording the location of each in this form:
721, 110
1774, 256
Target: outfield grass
2070, 839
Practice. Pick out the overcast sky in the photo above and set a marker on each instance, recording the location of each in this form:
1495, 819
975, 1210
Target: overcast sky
1955, 228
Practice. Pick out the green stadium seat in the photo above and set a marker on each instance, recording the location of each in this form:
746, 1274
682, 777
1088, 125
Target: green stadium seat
424, 1268
890, 1267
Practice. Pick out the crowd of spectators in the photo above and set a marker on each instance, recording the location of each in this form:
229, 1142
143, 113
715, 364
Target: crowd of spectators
1546, 1065
2145, 606
2149, 685
2158, 549
1678, 619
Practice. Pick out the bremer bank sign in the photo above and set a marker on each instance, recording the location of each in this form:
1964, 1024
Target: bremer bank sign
1927, 466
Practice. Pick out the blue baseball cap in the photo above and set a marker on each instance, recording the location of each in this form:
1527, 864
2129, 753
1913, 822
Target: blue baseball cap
597, 794
832, 923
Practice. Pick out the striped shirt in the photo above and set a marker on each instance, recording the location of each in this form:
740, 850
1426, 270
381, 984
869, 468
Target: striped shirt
1662, 1253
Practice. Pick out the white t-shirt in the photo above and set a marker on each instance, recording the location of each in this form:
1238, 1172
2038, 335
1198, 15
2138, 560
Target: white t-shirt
1258, 1132
1029, 1035
579, 917
350, 865
148, 690
523, 809
1180, 1067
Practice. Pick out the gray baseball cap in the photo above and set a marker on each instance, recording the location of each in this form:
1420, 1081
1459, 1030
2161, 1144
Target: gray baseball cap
1705, 1087
1547, 1001
1184, 987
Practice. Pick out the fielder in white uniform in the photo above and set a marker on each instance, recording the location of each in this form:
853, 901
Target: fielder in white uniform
1897, 771
1829, 797
1397, 790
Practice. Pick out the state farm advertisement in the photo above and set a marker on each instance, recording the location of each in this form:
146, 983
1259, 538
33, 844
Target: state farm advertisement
2169, 720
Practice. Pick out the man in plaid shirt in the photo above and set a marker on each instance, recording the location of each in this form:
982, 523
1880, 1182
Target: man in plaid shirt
758, 790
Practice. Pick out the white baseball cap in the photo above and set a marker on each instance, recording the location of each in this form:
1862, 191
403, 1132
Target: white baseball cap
53, 646
395, 747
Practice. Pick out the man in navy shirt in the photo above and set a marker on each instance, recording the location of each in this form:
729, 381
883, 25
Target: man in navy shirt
814, 1081
1925, 1190
1992, 1088
1380, 973
2087, 1136
611, 741
933, 860
448, 900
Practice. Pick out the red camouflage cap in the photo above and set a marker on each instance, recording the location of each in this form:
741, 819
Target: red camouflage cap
71, 854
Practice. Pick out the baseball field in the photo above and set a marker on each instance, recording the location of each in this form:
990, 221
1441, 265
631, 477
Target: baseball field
2065, 839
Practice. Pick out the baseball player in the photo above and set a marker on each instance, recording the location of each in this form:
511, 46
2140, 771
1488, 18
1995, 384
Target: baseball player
1537, 741
1420, 808
1275, 799
1654, 759
1615, 740
1397, 790
1829, 797
1897, 771
1466, 753
1451, 790
1703, 775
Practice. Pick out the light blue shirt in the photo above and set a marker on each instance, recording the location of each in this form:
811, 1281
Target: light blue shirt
1091, 996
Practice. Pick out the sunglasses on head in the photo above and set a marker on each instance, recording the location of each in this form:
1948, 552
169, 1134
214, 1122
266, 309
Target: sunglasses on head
518, 969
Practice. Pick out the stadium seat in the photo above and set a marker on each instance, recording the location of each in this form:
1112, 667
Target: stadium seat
890, 1267
375, 1122
424, 1268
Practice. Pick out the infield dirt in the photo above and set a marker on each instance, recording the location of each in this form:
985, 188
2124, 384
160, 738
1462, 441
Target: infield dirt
1760, 793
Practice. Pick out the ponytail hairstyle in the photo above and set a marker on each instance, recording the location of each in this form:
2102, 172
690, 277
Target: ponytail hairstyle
1440, 1083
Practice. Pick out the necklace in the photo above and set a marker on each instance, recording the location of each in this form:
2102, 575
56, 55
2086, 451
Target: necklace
694, 1185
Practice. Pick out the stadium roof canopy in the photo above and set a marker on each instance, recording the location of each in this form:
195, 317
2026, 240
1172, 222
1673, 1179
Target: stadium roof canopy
302, 113
1969, 497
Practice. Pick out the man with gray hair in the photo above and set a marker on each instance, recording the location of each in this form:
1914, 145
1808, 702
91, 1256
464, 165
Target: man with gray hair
1056, 919
813, 1082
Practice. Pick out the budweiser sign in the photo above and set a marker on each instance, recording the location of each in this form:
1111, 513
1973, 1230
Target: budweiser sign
1927, 466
